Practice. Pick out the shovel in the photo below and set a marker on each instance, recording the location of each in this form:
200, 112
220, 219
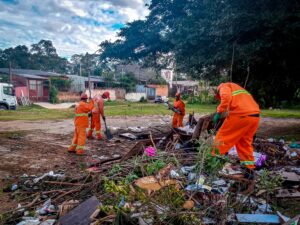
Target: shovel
107, 132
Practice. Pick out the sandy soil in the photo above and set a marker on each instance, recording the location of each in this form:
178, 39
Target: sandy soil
36, 147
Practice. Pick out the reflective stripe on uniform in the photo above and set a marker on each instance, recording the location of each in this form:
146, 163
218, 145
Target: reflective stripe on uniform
81, 114
79, 147
73, 145
238, 92
98, 132
247, 162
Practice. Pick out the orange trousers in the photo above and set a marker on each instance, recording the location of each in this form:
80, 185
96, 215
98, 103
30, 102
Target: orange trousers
79, 140
177, 120
95, 124
238, 131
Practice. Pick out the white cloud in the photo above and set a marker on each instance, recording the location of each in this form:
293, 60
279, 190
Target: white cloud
74, 26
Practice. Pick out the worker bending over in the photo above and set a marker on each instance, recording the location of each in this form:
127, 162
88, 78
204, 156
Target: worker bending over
178, 116
239, 126
97, 111
81, 122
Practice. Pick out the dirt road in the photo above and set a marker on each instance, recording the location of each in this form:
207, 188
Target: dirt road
36, 147
268, 126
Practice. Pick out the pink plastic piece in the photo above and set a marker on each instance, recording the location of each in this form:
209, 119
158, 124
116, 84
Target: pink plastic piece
150, 151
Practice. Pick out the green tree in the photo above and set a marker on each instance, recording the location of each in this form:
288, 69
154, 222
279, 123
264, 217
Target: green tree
44, 57
41, 56
202, 35
128, 81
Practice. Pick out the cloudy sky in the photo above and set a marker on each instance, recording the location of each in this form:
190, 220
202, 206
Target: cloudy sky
74, 26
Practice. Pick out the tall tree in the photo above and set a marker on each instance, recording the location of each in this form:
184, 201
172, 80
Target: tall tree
204, 35
44, 57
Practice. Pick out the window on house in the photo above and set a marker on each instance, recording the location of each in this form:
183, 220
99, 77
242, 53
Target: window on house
39, 84
32, 85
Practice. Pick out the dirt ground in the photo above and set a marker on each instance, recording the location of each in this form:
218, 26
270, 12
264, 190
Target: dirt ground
37, 147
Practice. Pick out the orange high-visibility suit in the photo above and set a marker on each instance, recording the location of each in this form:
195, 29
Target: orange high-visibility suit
97, 111
81, 122
240, 125
178, 118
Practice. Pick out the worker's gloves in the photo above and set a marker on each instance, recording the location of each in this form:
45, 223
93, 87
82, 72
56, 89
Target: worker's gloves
90, 114
216, 118
104, 119
176, 110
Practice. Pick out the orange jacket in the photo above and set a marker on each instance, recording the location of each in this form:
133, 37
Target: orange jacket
236, 100
81, 113
98, 105
180, 105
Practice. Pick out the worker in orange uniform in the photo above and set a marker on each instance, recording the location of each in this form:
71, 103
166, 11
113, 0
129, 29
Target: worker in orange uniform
239, 126
179, 111
98, 111
81, 122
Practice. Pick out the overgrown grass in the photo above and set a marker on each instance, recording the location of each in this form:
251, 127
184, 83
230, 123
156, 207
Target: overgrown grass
122, 108
283, 113
35, 112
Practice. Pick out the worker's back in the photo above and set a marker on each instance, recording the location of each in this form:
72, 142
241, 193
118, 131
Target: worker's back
81, 113
237, 100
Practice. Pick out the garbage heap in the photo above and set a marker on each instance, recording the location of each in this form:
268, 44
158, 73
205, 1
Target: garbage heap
169, 179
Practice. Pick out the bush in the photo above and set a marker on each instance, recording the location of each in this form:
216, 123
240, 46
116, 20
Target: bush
143, 99
53, 95
60, 84
203, 98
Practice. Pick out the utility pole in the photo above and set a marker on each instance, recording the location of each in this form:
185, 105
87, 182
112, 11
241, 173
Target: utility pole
248, 73
232, 61
80, 69
90, 92
10, 73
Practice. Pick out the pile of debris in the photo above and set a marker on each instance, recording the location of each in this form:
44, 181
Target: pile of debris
166, 179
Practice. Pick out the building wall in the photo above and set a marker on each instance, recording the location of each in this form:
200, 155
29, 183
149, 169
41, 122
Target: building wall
68, 96
151, 93
134, 97
18, 91
77, 83
139, 88
115, 93
161, 90
19, 81
39, 91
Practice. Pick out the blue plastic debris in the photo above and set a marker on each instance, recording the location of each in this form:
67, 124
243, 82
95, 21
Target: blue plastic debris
258, 218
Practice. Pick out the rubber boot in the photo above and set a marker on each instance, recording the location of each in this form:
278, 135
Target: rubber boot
80, 152
72, 148
99, 137
90, 134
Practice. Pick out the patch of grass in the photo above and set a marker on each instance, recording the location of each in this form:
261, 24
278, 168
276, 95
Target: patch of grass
283, 113
35, 112
123, 108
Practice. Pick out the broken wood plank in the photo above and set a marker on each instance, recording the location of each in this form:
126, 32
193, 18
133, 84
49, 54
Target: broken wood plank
202, 125
288, 193
138, 148
62, 183
81, 214
293, 220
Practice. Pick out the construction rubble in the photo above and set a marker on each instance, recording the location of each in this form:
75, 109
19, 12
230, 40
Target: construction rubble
167, 177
